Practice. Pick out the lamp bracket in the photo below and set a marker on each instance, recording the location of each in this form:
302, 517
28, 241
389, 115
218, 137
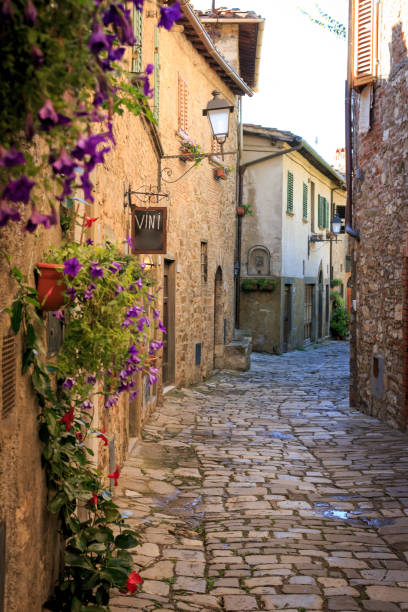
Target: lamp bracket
168, 172
146, 194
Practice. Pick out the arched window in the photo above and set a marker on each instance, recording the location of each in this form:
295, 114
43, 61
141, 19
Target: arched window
259, 261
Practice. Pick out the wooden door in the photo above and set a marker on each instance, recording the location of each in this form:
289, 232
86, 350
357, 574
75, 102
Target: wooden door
168, 322
308, 313
287, 317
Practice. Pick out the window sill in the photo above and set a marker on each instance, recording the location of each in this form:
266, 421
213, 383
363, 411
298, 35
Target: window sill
290, 213
305, 220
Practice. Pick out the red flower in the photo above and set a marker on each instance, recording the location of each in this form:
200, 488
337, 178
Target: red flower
68, 419
79, 436
133, 582
90, 220
103, 437
94, 500
115, 476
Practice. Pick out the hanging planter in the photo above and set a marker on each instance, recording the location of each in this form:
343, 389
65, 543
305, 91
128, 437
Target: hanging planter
220, 174
51, 288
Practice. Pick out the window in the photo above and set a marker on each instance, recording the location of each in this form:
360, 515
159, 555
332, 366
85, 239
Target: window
312, 206
204, 262
320, 210
138, 34
365, 23
290, 192
305, 194
323, 212
182, 105
308, 312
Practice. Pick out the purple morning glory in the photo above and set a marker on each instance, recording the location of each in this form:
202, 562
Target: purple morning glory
72, 266
68, 383
139, 283
142, 322
127, 323
138, 5
88, 295
168, 15
89, 241
99, 41
36, 218
133, 395
18, 191
153, 376
91, 380
129, 242
11, 158
96, 270
64, 164
49, 117
111, 401
87, 405
87, 187
8, 214
142, 266
149, 69
133, 350
134, 311
58, 314
162, 328
119, 289
156, 313
115, 267
87, 146
71, 292
155, 345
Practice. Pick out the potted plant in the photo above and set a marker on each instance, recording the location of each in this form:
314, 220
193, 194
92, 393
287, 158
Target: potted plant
240, 211
191, 152
222, 172
51, 287
259, 284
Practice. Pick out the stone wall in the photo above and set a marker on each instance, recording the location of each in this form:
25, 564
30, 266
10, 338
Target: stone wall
380, 200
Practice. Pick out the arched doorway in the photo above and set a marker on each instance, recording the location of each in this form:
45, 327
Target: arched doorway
218, 320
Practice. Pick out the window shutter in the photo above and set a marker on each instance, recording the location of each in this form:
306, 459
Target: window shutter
182, 105
305, 190
327, 215
319, 210
365, 25
156, 111
290, 192
137, 65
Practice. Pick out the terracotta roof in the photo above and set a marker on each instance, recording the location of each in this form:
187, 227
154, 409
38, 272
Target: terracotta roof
200, 39
251, 28
275, 135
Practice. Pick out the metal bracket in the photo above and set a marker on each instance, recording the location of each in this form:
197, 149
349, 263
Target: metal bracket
169, 172
146, 194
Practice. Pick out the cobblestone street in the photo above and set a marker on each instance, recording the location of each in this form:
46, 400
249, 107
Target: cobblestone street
264, 491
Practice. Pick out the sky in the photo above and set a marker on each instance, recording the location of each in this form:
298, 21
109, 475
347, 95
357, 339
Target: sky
303, 71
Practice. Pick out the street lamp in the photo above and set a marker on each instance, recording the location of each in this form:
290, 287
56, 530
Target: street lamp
218, 111
336, 225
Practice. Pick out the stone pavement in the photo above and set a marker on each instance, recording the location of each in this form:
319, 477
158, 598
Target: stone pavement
264, 491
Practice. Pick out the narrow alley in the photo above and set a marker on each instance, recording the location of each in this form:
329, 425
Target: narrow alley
264, 491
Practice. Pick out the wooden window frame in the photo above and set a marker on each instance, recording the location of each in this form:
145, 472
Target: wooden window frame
364, 38
289, 193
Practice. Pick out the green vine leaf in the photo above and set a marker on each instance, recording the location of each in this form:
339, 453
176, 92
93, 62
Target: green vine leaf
16, 316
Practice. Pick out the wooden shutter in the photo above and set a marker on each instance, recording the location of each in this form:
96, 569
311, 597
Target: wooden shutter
305, 190
290, 192
182, 105
365, 31
319, 210
137, 65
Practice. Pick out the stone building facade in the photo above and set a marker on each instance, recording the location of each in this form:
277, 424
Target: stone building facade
378, 210
293, 194
195, 273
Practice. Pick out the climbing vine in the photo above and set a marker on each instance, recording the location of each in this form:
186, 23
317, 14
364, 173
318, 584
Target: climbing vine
111, 330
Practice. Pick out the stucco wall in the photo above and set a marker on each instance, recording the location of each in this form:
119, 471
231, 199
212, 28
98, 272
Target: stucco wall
381, 215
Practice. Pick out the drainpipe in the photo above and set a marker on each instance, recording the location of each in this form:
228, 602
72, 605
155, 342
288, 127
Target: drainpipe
242, 169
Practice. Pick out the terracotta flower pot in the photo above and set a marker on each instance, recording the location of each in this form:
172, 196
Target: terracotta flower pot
220, 173
240, 211
50, 288
186, 156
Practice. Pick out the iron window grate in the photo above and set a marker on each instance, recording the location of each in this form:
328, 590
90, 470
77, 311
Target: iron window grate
8, 374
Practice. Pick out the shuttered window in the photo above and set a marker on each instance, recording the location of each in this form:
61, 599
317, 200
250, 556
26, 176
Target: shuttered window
289, 206
319, 211
305, 194
365, 27
327, 218
137, 47
182, 105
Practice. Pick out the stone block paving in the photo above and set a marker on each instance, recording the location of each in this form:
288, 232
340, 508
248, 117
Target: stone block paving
264, 491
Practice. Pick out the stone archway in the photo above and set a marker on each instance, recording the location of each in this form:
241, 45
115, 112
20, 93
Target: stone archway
218, 320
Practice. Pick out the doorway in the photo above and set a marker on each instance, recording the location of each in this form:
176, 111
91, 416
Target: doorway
169, 343
287, 317
308, 313
218, 320
320, 318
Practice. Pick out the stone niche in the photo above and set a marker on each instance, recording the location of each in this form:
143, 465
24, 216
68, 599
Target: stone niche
259, 261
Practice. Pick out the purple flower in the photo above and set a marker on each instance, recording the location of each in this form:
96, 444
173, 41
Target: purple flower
142, 266
30, 13
38, 218
109, 133
91, 380
87, 187
139, 283
87, 146
155, 345
88, 295
129, 242
134, 394
72, 266
71, 292
142, 322
18, 191
156, 313
119, 289
89, 241
127, 323
133, 350
8, 214
96, 270
68, 383
134, 311
64, 164
49, 117
150, 297
153, 375
11, 158
162, 328
59, 315
111, 401
138, 5
115, 267
87, 405
149, 69
99, 41
116, 54
168, 15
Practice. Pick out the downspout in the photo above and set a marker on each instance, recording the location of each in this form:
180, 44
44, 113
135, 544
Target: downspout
237, 266
242, 169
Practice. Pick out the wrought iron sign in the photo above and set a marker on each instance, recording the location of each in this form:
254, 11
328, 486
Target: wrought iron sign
149, 230
146, 194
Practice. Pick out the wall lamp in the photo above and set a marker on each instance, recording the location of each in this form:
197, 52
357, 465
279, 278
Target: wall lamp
336, 227
218, 111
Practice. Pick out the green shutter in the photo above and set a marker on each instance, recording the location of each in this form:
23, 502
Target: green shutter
326, 213
156, 111
290, 192
319, 210
137, 65
305, 190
